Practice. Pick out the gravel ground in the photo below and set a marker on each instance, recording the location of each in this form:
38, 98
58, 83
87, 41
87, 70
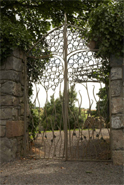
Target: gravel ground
78, 148
43, 172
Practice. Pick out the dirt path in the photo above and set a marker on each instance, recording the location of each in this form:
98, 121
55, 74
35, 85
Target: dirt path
81, 145
51, 172
35, 171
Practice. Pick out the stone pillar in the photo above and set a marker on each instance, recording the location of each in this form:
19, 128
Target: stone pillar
117, 109
12, 106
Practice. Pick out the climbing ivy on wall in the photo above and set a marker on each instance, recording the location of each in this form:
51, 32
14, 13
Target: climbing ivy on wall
106, 28
24, 22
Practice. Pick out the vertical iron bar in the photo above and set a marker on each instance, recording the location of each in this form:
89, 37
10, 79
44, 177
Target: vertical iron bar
25, 104
65, 90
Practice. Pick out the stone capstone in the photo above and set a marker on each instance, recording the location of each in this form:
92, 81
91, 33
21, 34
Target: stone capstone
8, 149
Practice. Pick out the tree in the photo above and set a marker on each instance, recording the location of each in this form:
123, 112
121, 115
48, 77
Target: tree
106, 28
24, 22
34, 121
52, 118
102, 106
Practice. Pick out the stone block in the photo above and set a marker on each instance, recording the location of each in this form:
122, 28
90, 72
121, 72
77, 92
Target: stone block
9, 100
117, 121
116, 62
20, 144
21, 113
22, 79
14, 128
116, 73
2, 131
2, 81
2, 122
21, 100
9, 75
123, 72
118, 157
117, 105
12, 63
9, 113
18, 53
11, 88
8, 149
117, 139
22, 110
116, 88
21, 118
28, 110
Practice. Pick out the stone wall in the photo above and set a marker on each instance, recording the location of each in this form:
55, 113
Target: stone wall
12, 107
117, 109
12, 80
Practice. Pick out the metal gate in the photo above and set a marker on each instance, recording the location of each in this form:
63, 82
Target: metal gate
65, 130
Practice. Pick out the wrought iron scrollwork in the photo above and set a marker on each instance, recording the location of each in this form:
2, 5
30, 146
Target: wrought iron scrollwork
82, 66
53, 74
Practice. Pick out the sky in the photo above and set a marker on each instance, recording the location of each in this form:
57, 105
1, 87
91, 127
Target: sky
81, 61
41, 98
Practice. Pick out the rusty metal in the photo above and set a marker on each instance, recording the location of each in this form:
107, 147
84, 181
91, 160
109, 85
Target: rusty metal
70, 62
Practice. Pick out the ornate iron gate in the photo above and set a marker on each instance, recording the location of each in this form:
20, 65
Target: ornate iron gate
70, 133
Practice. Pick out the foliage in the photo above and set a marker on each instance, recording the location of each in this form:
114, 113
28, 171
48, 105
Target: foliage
102, 107
35, 120
106, 28
102, 73
24, 22
52, 117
